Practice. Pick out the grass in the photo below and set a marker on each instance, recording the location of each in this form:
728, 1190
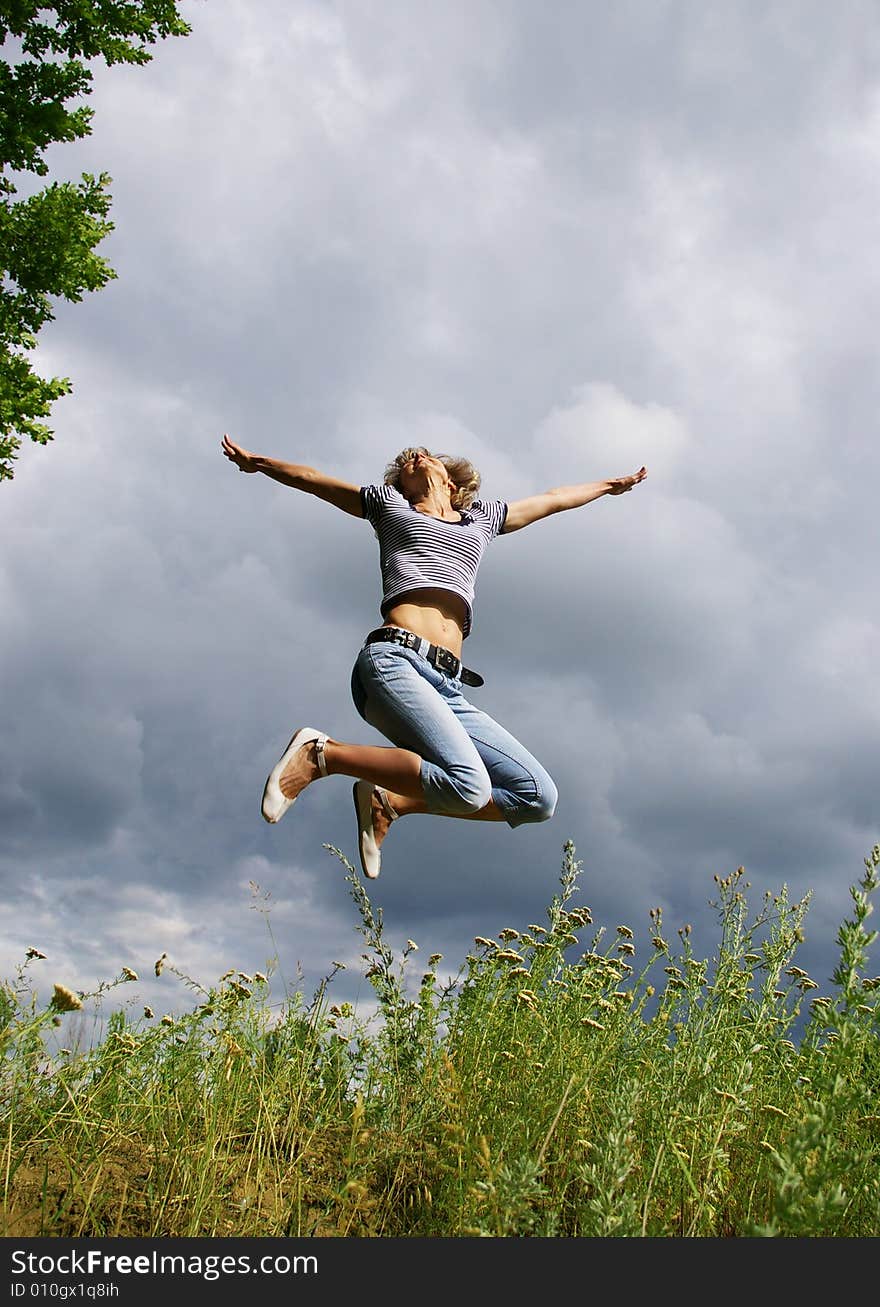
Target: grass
548, 1091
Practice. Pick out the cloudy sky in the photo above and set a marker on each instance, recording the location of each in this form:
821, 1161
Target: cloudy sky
562, 241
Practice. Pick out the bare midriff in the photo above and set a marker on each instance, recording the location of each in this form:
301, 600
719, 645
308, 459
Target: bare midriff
435, 615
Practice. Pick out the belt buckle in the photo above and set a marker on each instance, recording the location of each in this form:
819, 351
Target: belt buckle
447, 660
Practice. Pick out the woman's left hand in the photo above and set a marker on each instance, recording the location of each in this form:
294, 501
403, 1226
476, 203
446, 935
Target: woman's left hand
243, 459
619, 485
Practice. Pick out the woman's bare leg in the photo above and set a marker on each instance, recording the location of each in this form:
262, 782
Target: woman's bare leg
402, 806
397, 771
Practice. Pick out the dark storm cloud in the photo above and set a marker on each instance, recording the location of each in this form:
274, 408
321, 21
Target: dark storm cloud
564, 248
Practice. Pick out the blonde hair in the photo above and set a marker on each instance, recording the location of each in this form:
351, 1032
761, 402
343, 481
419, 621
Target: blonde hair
462, 473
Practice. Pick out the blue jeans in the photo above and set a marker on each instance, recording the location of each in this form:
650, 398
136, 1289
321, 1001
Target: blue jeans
467, 758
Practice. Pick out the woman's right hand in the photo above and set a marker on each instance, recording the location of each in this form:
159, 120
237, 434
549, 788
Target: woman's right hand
243, 459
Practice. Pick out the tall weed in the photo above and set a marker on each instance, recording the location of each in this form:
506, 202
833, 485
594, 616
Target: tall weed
556, 1087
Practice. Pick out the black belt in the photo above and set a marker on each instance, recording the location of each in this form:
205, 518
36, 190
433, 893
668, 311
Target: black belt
443, 659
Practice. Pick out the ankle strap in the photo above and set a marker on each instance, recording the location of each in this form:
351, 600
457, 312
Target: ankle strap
383, 799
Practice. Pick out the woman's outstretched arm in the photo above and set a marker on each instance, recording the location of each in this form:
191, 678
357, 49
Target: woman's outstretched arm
525, 511
339, 493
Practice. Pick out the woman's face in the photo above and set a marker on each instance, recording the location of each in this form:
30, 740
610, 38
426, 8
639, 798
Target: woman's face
420, 469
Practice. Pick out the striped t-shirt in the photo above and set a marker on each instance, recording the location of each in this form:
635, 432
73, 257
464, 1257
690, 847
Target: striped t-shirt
417, 551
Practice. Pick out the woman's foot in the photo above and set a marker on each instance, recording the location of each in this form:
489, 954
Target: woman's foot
301, 763
374, 815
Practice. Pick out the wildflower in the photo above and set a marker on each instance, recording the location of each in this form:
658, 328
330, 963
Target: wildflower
411, 946
650, 991
806, 983
659, 943
519, 971
797, 973
871, 982
167, 1020
65, 1000
245, 978
777, 1111
128, 974
35, 953
507, 955
160, 963
625, 932
260, 979
149, 1013
625, 947
485, 943
538, 930
588, 1021
526, 997
508, 933
672, 971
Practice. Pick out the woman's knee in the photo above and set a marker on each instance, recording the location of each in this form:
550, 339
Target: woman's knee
539, 806
460, 789
472, 788
546, 805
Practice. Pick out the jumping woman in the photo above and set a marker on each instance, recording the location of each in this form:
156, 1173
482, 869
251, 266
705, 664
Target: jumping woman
447, 756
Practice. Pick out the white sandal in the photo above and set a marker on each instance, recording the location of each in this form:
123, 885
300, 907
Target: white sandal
275, 804
370, 853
